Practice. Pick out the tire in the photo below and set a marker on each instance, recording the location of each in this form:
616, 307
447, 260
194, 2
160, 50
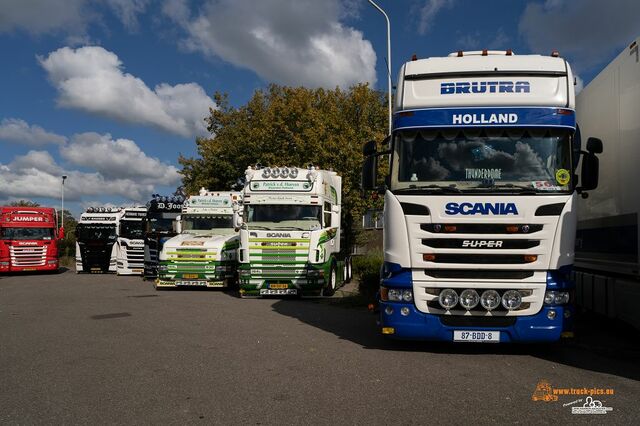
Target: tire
330, 286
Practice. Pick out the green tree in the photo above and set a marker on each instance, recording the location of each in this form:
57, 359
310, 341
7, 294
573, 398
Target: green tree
291, 126
67, 246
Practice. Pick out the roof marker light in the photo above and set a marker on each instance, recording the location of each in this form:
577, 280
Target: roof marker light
555, 54
485, 52
414, 57
460, 53
509, 52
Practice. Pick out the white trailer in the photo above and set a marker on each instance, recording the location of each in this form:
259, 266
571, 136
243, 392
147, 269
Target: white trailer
608, 236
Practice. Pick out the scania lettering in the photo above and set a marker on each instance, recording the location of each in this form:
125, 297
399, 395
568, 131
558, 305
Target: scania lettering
29, 239
481, 208
160, 222
130, 246
204, 253
96, 240
290, 233
480, 202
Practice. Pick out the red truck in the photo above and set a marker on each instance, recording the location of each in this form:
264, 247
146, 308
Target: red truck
29, 239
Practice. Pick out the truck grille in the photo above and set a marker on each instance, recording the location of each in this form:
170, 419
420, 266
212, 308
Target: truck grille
28, 256
135, 257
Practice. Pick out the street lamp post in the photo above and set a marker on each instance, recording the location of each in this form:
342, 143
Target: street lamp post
64, 177
388, 60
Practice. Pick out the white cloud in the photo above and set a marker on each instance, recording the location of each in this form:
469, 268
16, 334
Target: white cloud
91, 78
70, 17
19, 131
117, 159
588, 31
116, 168
128, 10
291, 42
429, 11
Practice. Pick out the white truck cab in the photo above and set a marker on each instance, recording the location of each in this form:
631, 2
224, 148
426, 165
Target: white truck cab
290, 235
480, 202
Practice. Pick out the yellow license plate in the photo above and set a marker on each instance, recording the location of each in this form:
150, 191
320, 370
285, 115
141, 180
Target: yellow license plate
278, 285
190, 276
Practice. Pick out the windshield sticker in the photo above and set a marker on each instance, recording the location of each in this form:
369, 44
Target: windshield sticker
483, 174
563, 176
545, 185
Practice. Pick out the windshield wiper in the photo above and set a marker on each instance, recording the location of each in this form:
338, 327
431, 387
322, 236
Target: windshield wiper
521, 189
293, 228
451, 189
259, 227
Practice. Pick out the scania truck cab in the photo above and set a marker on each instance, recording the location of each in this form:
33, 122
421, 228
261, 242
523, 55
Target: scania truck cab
204, 253
28, 239
290, 233
160, 226
480, 201
130, 247
96, 240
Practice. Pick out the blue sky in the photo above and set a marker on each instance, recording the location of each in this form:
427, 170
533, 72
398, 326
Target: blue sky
109, 92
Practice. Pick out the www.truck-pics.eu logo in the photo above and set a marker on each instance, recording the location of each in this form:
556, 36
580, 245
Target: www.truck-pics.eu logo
462, 87
481, 208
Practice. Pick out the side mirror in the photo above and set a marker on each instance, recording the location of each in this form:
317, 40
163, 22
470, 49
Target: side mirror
369, 173
589, 172
369, 148
177, 225
594, 146
61, 233
237, 220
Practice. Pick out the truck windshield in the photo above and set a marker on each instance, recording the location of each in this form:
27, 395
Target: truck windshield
205, 222
481, 159
132, 229
91, 232
26, 233
284, 216
162, 222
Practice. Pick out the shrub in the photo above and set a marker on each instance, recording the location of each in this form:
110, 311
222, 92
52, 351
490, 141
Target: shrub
367, 268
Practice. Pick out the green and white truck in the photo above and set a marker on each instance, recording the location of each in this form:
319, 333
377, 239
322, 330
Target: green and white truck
204, 253
290, 233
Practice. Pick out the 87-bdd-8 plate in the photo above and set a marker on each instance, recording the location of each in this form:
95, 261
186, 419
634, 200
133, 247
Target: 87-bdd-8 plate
476, 336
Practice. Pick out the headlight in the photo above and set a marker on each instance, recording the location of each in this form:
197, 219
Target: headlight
244, 273
556, 298
448, 298
293, 173
163, 268
4, 263
284, 172
52, 262
400, 295
511, 299
469, 299
490, 299
275, 172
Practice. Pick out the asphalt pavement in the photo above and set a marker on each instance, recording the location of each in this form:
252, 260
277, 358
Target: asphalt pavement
101, 349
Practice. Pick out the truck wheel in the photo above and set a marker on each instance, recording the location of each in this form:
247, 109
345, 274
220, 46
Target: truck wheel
330, 286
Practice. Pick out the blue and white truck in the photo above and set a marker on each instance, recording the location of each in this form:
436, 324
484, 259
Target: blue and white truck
480, 200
